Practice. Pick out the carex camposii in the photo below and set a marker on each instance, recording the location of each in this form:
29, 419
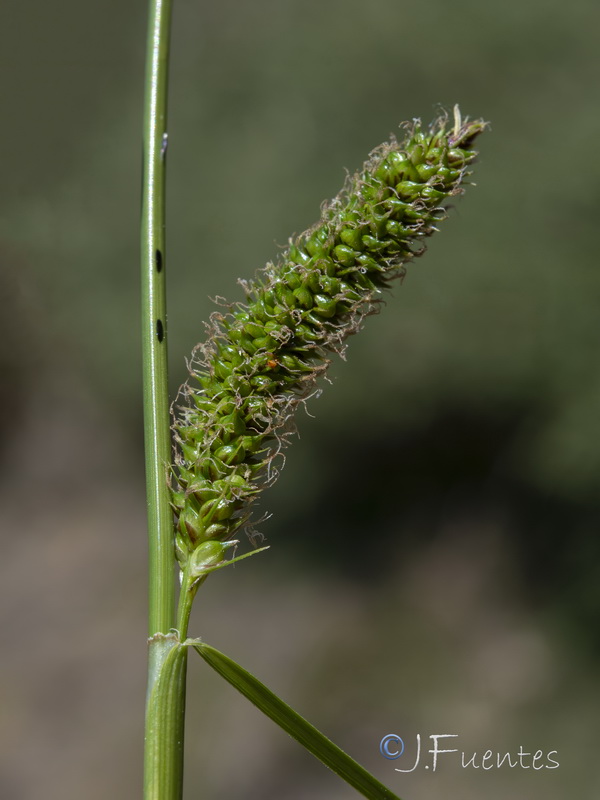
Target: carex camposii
263, 358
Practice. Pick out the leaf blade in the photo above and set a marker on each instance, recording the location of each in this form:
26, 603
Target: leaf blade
293, 724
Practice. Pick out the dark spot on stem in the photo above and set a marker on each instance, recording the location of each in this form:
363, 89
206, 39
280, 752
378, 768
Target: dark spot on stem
160, 332
158, 260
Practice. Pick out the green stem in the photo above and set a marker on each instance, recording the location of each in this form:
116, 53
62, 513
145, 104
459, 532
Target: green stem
165, 703
167, 660
189, 587
165, 717
154, 324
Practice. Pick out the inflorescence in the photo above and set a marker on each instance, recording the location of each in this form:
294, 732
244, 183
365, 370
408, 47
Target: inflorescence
263, 358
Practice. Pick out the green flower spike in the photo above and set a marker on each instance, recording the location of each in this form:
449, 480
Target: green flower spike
263, 358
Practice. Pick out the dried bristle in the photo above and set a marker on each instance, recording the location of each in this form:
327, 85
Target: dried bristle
263, 358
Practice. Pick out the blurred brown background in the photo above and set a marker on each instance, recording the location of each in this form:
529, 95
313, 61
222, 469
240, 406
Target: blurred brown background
435, 560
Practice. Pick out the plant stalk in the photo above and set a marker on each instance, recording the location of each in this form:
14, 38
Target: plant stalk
165, 717
165, 704
154, 324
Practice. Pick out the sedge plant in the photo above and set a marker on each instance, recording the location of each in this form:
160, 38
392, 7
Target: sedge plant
262, 358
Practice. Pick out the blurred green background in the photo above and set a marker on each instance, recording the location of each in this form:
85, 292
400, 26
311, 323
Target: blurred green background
435, 560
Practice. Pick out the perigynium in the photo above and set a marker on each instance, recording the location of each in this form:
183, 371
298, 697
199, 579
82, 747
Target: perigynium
264, 357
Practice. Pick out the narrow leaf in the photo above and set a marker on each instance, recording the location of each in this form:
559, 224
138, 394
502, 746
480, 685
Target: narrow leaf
291, 722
